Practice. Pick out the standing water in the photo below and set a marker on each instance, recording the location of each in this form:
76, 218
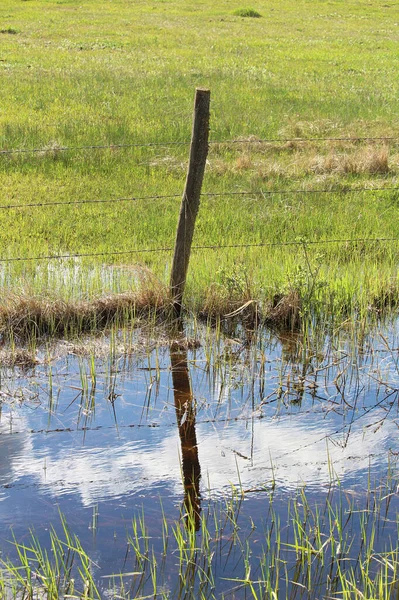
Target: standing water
211, 467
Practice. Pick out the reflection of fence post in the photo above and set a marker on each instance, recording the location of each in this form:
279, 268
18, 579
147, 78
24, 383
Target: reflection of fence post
185, 413
191, 197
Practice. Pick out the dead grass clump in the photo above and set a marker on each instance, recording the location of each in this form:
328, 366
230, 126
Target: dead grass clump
218, 166
368, 160
229, 310
52, 150
375, 160
217, 303
151, 292
273, 170
99, 348
18, 357
27, 317
243, 163
284, 311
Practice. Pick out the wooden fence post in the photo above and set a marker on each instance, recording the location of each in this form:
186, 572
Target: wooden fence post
191, 197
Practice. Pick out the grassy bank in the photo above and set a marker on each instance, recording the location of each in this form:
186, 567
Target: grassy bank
81, 74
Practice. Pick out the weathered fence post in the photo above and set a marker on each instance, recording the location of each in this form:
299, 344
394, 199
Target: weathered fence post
191, 197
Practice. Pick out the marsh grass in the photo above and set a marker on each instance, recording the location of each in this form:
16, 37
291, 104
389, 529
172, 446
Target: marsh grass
309, 295
49, 573
339, 547
316, 553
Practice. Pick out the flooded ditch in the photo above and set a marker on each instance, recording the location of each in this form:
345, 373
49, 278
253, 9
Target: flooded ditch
218, 468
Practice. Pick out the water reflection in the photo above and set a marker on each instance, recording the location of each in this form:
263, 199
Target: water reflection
264, 419
279, 413
185, 414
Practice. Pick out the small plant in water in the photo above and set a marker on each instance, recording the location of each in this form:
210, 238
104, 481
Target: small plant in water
65, 571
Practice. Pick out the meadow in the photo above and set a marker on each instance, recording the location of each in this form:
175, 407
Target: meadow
118, 74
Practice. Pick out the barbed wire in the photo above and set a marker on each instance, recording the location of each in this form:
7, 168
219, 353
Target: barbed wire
305, 140
258, 416
303, 242
83, 255
388, 452
89, 201
54, 149
344, 190
262, 193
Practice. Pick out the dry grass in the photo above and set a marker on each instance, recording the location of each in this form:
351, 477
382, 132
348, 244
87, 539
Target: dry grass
52, 150
243, 162
284, 312
369, 160
218, 166
99, 347
273, 170
184, 343
18, 357
295, 159
26, 316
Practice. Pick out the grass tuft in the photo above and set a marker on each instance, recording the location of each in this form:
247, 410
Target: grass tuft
247, 12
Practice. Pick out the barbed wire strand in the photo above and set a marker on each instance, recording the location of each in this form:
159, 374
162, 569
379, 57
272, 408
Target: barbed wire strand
328, 436
202, 247
344, 190
211, 420
204, 194
95, 201
83, 255
54, 150
305, 140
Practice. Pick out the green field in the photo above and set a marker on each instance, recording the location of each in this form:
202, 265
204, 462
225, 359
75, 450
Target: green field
79, 73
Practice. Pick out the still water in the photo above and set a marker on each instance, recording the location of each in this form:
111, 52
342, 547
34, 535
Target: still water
104, 431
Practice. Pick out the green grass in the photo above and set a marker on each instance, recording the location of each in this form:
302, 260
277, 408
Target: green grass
89, 73
247, 12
